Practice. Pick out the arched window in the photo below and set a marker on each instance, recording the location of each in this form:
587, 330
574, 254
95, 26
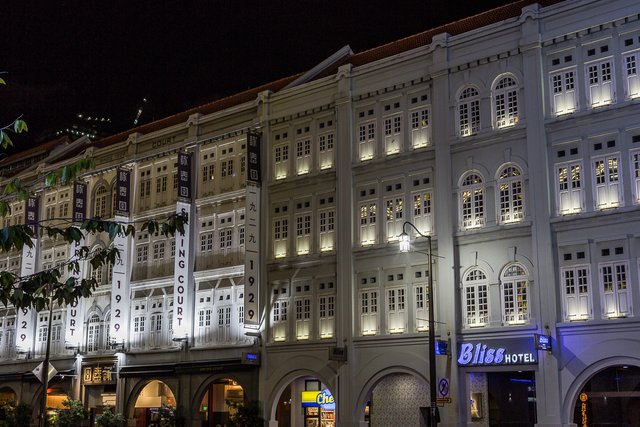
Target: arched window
476, 298
93, 333
510, 195
514, 284
468, 112
505, 102
100, 202
472, 201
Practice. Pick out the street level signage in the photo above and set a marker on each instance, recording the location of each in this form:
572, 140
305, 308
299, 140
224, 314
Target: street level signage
509, 351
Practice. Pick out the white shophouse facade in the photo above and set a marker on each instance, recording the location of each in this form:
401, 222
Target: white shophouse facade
511, 138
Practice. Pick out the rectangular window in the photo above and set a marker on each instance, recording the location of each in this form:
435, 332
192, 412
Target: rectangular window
608, 191
369, 312
281, 159
635, 175
564, 95
600, 81
325, 148
616, 295
368, 230
476, 305
631, 76
394, 216
569, 185
367, 141
577, 303
142, 253
280, 236
420, 128
422, 218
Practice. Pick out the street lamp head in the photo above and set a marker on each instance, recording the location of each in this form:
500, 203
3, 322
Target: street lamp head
405, 242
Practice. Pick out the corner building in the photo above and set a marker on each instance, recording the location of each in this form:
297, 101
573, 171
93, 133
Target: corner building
510, 138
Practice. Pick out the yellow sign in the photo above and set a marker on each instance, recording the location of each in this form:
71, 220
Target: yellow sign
442, 400
97, 374
583, 409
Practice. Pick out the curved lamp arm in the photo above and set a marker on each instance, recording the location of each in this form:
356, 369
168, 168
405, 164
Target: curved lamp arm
405, 241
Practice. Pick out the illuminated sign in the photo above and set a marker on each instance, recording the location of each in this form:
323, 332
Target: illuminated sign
252, 257
318, 399
514, 351
251, 358
98, 374
27, 317
182, 288
543, 342
583, 409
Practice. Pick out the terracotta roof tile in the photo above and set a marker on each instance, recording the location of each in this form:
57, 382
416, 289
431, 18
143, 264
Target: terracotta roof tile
211, 107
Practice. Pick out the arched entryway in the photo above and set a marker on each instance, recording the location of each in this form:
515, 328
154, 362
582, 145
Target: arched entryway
219, 402
397, 399
154, 404
7, 395
610, 397
305, 401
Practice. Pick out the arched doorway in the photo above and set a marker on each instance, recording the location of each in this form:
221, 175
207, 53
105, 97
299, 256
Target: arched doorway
398, 399
307, 402
7, 395
219, 401
154, 404
610, 397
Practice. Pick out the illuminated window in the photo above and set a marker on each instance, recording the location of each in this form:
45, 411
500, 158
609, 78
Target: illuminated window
472, 201
563, 91
368, 226
280, 237
599, 77
303, 318
510, 195
468, 112
569, 188
505, 102
369, 312
367, 141
422, 301
303, 234
326, 313
577, 298
281, 161
607, 186
635, 174
476, 298
420, 128
422, 217
326, 152
632, 78
614, 289
303, 156
392, 134
396, 310
279, 316
515, 298
326, 228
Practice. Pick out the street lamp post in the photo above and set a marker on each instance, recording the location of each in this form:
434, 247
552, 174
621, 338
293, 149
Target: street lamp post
404, 247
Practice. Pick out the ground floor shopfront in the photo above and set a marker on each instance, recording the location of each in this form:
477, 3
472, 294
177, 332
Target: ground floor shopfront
600, 373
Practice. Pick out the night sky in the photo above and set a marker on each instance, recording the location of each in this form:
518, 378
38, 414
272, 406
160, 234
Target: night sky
102, 58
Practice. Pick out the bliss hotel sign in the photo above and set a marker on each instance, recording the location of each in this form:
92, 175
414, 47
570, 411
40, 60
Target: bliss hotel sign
512, 351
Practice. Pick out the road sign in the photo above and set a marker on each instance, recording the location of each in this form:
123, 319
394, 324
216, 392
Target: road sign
38, 371
443, 387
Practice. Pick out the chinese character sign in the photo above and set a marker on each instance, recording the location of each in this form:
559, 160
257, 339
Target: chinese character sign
123, 185
79, 202
253, 157
25, 329
184, 176
252, 257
